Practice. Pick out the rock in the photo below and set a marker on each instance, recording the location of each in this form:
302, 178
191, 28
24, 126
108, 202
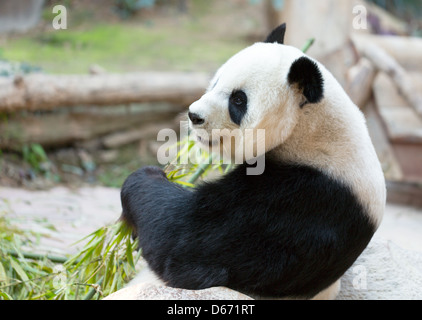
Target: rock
384, 271
149, 291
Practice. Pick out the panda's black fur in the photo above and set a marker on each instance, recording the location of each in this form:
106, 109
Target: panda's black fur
238, 106
291, 232
306, 75
277, 35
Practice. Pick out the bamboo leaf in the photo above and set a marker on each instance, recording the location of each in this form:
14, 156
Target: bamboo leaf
3, 276
88, 254
109, 269
92, 235
15, 265
184, 183
113, 286
129, 254
5, 296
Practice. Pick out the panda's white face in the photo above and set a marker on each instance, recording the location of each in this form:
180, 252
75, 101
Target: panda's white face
250, 91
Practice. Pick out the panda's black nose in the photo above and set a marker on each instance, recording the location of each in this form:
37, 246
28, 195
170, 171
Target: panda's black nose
195, 118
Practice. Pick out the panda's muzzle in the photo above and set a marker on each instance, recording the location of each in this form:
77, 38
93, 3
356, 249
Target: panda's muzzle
196, 119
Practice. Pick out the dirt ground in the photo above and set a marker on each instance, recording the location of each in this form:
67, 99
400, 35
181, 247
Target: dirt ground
61, 215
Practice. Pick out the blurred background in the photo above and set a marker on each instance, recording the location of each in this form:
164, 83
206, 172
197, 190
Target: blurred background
88, 84
85, 86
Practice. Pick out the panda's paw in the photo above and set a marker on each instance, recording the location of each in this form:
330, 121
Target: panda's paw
148, 173
151, 171
142, 178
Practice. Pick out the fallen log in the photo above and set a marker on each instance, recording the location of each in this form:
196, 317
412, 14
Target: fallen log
64, 128
401, 121
119, 139
407, 51
359, 81
47, 92
402, 125
404, 83
381, 140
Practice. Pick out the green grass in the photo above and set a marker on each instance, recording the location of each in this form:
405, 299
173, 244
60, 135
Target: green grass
122, 47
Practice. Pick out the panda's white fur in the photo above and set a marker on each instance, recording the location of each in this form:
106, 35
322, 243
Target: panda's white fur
218, 235
330, 135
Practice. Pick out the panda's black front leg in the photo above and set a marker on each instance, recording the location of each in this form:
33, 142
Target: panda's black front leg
160, 213
147, 197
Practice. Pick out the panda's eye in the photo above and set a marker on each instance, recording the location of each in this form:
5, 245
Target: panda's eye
238, 102
238, 98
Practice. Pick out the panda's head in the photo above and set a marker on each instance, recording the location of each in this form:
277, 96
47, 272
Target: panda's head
264, 86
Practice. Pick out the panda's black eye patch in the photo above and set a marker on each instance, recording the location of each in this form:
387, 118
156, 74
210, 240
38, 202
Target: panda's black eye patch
238, 105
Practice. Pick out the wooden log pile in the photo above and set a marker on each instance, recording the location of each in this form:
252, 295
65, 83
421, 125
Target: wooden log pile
88, 124
46, 92
386, 83
61, 110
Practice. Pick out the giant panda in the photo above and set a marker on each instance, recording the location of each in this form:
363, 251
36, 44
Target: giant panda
290, 232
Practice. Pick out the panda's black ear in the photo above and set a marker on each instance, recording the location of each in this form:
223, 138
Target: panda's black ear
306, 75
277, 35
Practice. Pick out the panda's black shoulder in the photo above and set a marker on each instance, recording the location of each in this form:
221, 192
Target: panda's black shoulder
282, 181
294, 190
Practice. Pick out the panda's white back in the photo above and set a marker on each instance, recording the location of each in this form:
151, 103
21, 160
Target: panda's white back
333, 136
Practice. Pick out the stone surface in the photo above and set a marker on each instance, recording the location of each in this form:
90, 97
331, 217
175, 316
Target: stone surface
403, 226
384, 271
149, 291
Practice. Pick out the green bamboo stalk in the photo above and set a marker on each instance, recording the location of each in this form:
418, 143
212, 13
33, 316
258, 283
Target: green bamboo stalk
93, 290
36, 256
202, 168
308, 45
